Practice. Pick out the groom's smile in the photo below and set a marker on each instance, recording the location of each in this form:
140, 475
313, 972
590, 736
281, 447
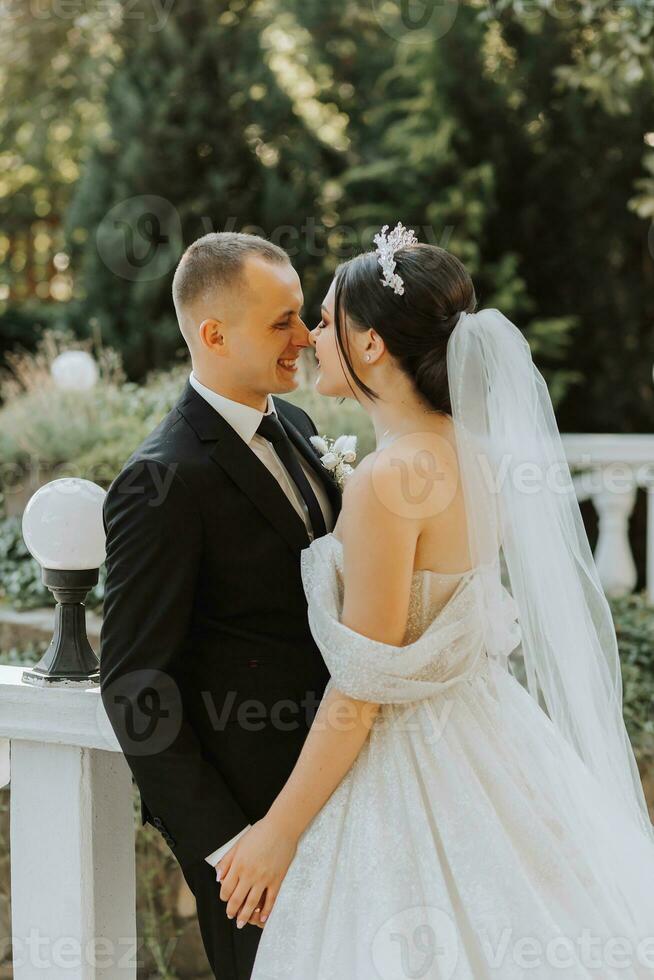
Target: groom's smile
289, 363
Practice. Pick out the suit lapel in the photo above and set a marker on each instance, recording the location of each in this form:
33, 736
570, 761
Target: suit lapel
258, 483
244, 468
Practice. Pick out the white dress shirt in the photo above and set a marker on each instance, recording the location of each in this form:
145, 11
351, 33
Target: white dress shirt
245, 421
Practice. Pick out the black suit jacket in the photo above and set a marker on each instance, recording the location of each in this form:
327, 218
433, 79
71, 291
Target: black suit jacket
208, 671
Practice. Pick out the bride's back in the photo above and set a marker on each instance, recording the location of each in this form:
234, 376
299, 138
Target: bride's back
427, 489
443, 541
442, 546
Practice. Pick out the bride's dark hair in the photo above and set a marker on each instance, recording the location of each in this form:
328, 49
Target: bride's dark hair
416, 325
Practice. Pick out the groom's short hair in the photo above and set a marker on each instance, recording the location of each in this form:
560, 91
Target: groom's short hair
216, 261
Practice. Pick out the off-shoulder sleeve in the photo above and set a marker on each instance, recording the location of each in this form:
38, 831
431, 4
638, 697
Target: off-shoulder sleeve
444, 655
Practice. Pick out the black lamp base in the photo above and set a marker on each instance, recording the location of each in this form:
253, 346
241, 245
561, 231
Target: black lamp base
69, 661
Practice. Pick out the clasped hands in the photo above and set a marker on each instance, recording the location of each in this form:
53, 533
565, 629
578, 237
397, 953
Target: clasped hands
252, 871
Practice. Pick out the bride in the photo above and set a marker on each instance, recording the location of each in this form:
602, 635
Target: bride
467, 803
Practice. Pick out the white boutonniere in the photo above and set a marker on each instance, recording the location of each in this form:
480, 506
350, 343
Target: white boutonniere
337, 455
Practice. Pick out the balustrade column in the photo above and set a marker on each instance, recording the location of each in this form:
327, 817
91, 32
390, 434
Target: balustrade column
72, 835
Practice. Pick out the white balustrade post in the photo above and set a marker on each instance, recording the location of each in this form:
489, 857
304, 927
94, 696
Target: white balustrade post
613, 557
607, 455
72, 836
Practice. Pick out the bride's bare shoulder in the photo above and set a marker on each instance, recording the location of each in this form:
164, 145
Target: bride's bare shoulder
414, 477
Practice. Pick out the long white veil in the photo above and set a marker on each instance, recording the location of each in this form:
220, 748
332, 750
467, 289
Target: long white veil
526, 532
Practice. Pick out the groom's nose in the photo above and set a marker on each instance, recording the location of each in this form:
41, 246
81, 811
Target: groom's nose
302, 336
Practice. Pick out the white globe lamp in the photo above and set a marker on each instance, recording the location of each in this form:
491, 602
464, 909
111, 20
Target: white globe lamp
74, 370
64, 531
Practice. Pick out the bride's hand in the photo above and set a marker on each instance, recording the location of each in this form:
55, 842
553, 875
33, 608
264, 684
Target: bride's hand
257, 863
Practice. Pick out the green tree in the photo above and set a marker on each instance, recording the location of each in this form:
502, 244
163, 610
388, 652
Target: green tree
200, 137
516, 134
52, 74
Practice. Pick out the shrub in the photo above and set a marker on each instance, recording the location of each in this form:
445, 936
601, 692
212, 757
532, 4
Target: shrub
77, 433
633, 616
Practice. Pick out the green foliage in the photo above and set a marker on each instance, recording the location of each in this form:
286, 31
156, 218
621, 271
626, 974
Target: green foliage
520, 136
20, 574
53, 68
494, 142
634, 624
200, 138
23, 326
47, 431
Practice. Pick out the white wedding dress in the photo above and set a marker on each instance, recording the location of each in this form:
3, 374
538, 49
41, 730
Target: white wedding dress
440, 855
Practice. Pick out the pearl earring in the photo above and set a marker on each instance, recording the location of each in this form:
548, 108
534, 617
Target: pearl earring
367, 357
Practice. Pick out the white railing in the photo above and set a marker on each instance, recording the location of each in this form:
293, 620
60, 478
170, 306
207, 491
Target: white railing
614, 467
72, 835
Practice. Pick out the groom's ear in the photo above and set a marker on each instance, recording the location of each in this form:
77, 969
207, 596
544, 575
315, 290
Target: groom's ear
212, 334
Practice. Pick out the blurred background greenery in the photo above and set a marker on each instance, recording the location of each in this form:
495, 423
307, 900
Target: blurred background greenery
518, 134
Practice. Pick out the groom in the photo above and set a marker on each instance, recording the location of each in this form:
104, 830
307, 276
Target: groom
209, 674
